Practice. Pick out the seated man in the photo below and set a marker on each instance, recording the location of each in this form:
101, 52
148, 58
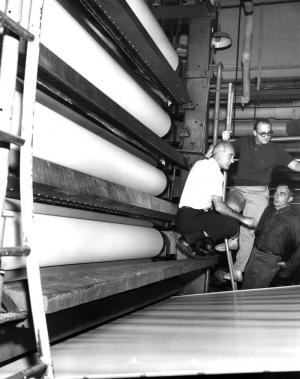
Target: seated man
278, 226
202, 211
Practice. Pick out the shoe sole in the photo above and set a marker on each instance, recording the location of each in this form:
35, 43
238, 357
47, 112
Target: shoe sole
190, 253
222, 277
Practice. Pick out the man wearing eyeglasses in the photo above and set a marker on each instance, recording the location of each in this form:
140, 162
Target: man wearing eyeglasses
250, 195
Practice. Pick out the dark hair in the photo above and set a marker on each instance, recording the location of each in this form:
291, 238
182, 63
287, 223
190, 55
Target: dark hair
291, 189
261, 121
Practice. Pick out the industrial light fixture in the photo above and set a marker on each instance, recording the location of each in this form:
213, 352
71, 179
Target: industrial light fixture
220, 40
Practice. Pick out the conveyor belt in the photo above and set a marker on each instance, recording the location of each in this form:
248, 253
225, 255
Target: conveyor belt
230, 332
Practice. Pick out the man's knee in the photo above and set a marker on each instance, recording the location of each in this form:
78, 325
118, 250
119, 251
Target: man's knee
234, 205
236, 201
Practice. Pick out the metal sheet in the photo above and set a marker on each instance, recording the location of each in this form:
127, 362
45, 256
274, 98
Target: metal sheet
229, 332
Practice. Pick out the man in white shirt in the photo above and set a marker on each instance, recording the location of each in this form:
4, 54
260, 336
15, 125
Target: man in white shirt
202, 212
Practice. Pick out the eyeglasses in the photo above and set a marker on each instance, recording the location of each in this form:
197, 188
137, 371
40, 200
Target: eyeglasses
264, 134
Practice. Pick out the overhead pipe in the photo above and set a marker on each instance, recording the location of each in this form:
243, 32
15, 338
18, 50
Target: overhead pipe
217, 105
246, 57
244, 128
277, 113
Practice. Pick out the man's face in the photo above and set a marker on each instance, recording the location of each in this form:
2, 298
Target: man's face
263, 133
226, 158
282, 197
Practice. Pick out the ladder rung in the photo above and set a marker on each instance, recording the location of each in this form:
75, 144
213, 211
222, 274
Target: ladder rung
11, 138
12, 25
8, 317
33, 371
18, 251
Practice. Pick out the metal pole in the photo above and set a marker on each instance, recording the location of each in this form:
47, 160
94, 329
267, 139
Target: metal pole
228, 127
217, 104
286, 139
8, 72
26, 189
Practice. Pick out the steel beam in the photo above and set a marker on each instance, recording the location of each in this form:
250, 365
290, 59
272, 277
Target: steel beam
197, 83
169, 12
57, 185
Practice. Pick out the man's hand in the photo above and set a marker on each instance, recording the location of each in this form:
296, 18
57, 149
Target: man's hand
281, 265
249, 221
226, 135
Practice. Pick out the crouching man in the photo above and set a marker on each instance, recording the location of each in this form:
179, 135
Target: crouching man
202, 212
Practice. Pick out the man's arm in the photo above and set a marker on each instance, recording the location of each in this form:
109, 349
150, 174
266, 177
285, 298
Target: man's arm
294, 260
260, 225
294, 165
225, 210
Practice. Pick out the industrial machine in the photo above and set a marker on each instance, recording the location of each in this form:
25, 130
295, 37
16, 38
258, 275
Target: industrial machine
105, 105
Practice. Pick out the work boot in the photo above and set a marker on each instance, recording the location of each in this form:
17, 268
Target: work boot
237, 275
204, 245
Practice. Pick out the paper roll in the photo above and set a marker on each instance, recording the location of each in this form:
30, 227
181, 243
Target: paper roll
61, 240
155, 31
73, 44
62, 141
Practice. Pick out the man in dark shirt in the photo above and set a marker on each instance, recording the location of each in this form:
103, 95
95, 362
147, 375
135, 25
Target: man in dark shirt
277, 228
258, 155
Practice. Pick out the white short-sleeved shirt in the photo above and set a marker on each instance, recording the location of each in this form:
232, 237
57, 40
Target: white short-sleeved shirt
204, 181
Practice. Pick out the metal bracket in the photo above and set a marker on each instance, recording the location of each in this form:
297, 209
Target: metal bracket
187, 106
196, 74
185, 132
7, 22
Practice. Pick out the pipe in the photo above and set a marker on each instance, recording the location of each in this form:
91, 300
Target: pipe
8, 74
245, 128
217, 105
246, 57
229, 127
274, 112
286, 139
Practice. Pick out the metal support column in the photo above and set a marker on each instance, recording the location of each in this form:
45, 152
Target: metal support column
197, 85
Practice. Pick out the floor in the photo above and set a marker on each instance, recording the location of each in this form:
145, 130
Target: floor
250, 332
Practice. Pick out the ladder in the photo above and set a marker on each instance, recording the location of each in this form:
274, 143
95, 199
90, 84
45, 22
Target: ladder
12, 33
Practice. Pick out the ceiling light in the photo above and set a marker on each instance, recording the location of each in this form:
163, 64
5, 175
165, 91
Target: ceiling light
221, 40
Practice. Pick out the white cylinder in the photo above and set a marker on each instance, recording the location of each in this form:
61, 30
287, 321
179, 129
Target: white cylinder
64, 142
61, 240
146, 17
73, 44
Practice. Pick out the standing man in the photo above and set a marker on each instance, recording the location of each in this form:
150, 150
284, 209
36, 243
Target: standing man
250, 195
278, 228
202, 211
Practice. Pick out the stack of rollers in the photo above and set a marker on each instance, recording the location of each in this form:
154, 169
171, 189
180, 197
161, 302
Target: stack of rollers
65, 236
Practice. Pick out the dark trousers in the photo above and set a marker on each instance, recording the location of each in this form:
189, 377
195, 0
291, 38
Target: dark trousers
192, 222
261, 269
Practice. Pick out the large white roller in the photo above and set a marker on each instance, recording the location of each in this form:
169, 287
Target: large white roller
60, 240
62, 141
155, 31
72, 43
